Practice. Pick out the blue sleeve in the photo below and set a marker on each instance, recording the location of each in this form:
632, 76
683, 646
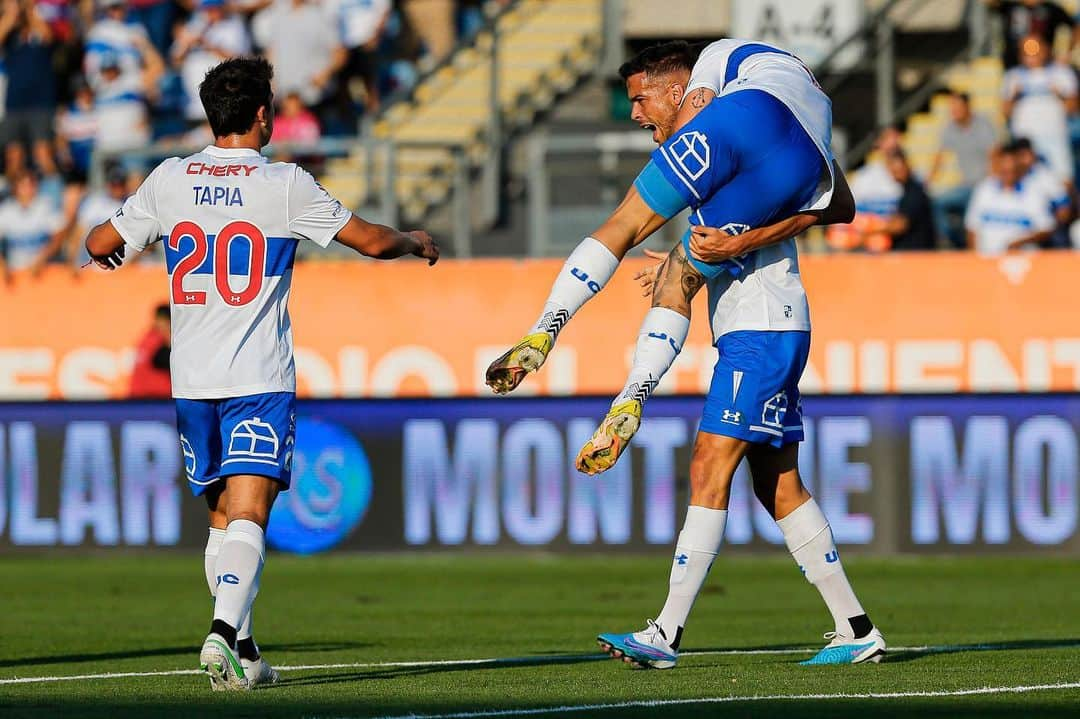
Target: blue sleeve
659, 193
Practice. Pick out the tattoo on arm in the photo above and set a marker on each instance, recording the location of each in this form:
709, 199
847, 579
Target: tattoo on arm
698, 99
678, 282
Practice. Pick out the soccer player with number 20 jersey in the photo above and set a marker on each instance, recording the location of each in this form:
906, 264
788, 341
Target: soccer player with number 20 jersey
231, 222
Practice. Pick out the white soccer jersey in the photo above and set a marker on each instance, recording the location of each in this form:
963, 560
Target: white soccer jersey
999, 215
727, 66
230, 221
768, 295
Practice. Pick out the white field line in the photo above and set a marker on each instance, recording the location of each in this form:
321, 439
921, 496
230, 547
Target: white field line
646, 704
494, 662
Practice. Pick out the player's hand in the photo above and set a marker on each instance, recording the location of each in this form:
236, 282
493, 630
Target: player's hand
110, 262
647, 278
711, 244
428, 248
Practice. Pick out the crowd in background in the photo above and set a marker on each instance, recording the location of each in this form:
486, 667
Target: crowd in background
1017, 189
79, 77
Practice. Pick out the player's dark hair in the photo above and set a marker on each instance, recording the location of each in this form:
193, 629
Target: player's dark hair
962, 97
233, 92
661, 59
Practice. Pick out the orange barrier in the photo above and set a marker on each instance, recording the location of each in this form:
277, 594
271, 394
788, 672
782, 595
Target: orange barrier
913, 323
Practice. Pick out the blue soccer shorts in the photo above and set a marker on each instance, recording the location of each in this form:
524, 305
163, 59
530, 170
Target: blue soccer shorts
254, 434
754, 393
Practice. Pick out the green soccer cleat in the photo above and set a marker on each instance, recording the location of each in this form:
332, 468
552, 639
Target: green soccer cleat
221, 664
507, 372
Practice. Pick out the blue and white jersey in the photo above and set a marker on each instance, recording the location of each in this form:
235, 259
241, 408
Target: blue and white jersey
358, 20
727, 66
26, 230
117, 40
230, 222
1050, 185
999, 215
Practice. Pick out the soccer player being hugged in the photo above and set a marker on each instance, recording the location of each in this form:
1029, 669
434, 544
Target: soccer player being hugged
231, 222
744, 133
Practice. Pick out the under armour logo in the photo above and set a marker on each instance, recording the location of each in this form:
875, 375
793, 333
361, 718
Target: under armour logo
682, 559
731, 417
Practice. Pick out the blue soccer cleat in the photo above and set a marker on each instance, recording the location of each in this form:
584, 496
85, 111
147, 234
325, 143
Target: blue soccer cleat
845, 650
647, 649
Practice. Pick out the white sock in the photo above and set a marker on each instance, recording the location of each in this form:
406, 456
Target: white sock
239, 566
662, 335
210, 556
585, 273
810, 540
698, 545
213, 548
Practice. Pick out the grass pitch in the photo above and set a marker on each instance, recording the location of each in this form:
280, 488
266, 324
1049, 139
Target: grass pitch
403, 626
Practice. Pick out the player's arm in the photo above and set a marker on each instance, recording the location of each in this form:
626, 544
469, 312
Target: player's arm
710, 244
105, 245
386, 243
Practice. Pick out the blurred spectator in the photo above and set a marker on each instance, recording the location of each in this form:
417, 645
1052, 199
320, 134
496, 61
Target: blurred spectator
434, 21
1029, 18
120, 105
295, 123
301, 39
1054, 191
361, 24
150, 375
124, 44
76, 128
1039, 97
94, 209
30, 228
30, 101
971, 138
157, 17
877, 198
1006, 213
912, 226
211, 35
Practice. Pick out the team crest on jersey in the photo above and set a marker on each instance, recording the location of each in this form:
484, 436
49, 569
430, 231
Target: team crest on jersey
255, 439
735, 228
691, 151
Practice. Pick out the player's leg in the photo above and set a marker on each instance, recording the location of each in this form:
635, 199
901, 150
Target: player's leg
257, 435
712, 467
809, 538
256, 669
660, 339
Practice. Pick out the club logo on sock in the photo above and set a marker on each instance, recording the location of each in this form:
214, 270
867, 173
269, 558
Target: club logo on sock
832, 556
228, 579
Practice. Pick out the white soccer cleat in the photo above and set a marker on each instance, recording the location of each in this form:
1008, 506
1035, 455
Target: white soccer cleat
221, 664
846, 650
259, 673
